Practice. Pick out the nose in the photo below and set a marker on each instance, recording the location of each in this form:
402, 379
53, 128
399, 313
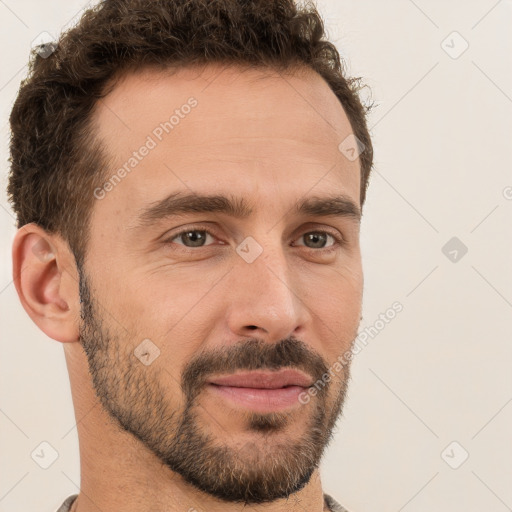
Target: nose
265, 299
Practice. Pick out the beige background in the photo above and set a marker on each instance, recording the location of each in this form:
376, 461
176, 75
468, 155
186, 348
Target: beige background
439, 372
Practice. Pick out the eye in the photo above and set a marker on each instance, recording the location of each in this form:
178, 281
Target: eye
191, 237
319, 239
195, 237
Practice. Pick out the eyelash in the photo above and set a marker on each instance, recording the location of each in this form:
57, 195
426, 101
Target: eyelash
338, 240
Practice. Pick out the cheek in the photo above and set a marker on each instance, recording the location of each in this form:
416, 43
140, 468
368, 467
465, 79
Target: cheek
336, 300
157, 302
175, 315
341, 312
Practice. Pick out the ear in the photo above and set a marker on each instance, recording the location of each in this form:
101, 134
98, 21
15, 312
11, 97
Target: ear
46, 279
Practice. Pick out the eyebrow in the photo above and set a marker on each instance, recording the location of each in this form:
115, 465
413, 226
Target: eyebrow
178, 204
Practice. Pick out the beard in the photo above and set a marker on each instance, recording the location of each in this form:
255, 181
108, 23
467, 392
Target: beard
262, 470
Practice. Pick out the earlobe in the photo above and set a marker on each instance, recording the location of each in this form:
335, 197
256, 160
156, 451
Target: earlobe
42, 274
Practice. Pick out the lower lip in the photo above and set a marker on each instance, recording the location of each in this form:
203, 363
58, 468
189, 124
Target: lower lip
262, 400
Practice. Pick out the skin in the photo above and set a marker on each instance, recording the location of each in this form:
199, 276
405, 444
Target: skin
270, 139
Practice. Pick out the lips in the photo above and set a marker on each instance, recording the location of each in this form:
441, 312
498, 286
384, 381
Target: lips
264, 380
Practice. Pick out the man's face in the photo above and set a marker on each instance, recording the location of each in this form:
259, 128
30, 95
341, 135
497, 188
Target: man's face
175, 299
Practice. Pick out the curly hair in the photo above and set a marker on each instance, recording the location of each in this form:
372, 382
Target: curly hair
56, 160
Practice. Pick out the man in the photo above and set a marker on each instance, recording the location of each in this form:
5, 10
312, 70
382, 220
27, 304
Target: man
188, 178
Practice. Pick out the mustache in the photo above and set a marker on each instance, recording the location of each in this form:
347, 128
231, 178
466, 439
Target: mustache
252, 354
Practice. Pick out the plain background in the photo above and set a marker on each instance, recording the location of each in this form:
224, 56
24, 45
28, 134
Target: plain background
434, 384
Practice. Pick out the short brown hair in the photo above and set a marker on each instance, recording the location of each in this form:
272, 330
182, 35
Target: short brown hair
56, 161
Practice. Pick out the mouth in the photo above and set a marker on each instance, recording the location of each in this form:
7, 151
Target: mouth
261, 391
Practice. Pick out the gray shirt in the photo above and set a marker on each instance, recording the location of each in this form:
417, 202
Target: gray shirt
332, 504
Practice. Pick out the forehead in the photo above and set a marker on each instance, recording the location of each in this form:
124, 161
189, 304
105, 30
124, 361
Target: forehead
222, 127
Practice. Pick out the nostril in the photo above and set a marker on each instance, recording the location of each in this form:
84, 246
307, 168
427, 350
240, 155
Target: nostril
252, 327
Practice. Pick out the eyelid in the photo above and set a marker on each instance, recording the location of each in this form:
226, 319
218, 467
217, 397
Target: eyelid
311, 227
